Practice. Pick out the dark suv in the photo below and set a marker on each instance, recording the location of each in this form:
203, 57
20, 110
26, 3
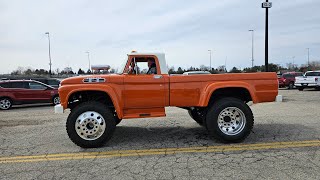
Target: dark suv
288, 79
26, 92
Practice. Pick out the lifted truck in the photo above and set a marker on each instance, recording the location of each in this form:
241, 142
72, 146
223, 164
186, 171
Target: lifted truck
218, 102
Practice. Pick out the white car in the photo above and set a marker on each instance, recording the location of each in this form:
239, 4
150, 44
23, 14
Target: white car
310, 79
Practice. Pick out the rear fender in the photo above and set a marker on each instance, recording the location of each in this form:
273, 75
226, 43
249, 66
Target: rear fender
211, 88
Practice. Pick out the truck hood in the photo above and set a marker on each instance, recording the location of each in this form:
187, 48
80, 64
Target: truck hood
99, 78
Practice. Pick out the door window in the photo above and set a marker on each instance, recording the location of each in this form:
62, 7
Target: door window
18, 85
37, 86
5, 85
142, 65
53, 82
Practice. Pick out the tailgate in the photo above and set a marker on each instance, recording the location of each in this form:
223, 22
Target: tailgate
305, 80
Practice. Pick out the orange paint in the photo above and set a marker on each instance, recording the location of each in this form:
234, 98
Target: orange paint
135, 96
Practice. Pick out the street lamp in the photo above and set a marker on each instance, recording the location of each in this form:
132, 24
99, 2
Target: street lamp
266, 5
88, 53
252, 59
210, 57
50, 64
308, 58
293, 61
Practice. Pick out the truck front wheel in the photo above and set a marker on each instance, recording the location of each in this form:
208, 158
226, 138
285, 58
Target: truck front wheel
229, 120
90, 124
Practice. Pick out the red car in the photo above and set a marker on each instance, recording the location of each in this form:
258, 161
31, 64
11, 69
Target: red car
26, 92
288, 79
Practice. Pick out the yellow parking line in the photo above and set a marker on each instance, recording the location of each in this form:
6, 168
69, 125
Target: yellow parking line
162, 151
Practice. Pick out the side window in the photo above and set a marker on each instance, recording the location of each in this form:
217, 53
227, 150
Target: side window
37, 86
142, 65
53, 82
18, 85
5, 85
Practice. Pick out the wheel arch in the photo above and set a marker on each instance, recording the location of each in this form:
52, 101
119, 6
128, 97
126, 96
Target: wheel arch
108, 94
241, 90
11, 99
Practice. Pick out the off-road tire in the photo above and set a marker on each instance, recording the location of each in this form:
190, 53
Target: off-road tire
100, 108
220, 106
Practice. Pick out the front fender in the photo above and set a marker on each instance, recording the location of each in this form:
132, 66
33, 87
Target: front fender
211, 88
66, 91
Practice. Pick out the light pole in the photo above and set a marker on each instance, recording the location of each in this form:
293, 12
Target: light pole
47, 33
252, 59
308, 58
293, 61
210, 57
88, 53
266, 5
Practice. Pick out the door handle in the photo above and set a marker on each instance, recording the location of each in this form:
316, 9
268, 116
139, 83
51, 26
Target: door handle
157, 76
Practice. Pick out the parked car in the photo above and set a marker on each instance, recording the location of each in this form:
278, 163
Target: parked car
288, 79
26, 92
49, 81
196, 72
311, 79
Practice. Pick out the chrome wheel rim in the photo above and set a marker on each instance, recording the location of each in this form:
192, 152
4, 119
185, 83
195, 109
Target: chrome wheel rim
5, 103
56, 100
231, 121
90, 125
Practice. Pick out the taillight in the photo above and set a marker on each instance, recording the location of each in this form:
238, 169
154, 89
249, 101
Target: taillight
284, 80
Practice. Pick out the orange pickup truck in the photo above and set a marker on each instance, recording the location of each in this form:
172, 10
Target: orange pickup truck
143, 88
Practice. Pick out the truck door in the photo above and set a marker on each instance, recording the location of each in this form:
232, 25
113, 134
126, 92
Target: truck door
143, 90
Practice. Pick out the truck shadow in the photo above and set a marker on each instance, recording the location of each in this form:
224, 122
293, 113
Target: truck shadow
162, 137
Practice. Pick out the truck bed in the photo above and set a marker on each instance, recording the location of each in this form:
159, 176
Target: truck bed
187, 90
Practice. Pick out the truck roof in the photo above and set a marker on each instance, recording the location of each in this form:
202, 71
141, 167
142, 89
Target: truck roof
160, 56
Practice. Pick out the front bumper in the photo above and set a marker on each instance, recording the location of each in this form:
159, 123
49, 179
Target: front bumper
58, 109
306, 84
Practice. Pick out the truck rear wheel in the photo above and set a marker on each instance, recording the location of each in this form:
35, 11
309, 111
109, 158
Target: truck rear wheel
197, 116
90, 124
229, 120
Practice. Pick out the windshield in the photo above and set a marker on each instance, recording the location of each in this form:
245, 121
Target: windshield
312, 74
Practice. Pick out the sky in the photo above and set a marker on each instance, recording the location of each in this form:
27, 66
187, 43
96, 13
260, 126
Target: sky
185, 30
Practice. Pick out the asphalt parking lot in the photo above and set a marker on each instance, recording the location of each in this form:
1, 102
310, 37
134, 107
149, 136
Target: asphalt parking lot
285, 144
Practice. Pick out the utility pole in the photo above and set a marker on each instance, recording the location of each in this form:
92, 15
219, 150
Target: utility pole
266, 5
210, 59
88, 53
50, 64
252, 59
